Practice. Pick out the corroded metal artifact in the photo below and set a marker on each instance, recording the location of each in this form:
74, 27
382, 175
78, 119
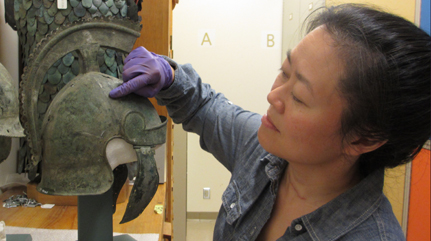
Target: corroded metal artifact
65, 52
79, 124
36, 19
9, 122
5, 147
84, 38
70, 139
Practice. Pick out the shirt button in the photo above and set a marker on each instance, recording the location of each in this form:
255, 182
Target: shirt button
232, 205
298, 227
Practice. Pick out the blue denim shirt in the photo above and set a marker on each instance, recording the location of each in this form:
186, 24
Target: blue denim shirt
230, 134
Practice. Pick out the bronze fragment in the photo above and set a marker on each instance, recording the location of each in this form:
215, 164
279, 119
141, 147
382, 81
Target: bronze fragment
79, 10
68, 59
87, 3
59, 18
37, 3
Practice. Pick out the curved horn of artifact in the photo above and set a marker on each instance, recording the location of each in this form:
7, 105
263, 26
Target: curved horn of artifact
120, 177
9, 13
145, 185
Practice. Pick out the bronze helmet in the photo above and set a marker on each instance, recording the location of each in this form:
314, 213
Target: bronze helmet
9, 113
80, 123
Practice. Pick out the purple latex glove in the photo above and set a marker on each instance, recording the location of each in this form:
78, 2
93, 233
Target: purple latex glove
144, 73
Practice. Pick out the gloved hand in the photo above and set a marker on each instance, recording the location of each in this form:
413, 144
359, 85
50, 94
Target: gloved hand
144, 73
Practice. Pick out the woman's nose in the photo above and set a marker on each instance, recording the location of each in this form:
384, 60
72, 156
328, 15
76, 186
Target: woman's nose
275, 100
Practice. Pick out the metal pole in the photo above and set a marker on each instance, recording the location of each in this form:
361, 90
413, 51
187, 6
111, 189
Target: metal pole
95, 217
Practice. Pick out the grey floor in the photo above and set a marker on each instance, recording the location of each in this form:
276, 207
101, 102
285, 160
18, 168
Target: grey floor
200, 229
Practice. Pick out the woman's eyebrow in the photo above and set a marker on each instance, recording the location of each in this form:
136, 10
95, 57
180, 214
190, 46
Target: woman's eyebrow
305, 81
299, 76
289, 52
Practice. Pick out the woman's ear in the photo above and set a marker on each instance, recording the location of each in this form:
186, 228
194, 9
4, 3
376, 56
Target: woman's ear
363, 145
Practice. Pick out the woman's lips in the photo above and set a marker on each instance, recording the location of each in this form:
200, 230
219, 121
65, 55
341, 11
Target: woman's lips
266, 121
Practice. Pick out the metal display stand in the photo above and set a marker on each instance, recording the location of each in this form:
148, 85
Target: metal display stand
18, 237
95, 218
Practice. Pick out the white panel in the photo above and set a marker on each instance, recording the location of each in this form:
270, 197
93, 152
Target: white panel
206, 38
160, 158
236, 65
291, 31
295, 12
180, 183
270, 40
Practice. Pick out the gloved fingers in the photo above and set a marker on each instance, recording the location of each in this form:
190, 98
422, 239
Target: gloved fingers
130, 73
133, 71
119, 92
139, 52
155, 55
128, 87
136, 53
152, 74
138, 64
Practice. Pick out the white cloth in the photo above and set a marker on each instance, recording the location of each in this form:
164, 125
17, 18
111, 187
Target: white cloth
38, 234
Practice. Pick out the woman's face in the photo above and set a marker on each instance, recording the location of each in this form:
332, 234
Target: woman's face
302, 123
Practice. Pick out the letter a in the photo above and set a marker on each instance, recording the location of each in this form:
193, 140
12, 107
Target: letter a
206, 39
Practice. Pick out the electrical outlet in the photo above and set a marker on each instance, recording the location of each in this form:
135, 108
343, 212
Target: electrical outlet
207, 193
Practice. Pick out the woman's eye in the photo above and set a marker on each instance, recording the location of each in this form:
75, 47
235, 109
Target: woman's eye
283, 74
296, 99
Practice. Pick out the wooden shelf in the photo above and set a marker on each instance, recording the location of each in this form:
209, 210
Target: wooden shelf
156, 36
66, 217
68, 200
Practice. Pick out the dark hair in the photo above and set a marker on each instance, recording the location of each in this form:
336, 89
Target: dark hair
386, 81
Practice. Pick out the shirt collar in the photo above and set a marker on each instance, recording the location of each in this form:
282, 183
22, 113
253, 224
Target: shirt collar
275, 166
350, 209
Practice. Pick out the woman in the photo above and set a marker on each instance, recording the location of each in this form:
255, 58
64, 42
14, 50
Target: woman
352, 99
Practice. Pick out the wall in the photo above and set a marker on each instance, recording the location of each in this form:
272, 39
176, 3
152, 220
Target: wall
295, 13
238, 32
404, 8
9, 59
